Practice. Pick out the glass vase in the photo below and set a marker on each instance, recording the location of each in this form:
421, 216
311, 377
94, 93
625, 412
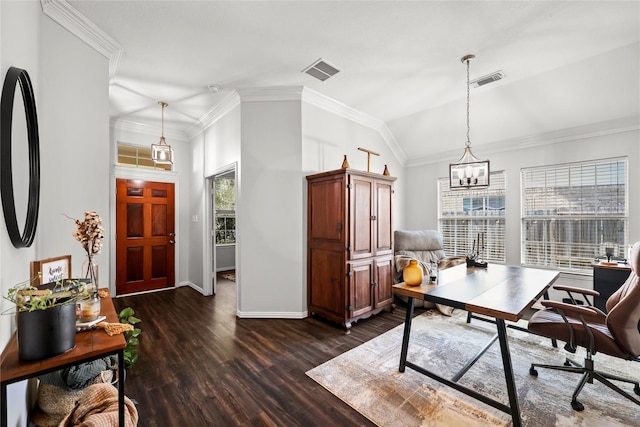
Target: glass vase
90, 271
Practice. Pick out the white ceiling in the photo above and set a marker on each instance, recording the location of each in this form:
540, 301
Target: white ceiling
399, 61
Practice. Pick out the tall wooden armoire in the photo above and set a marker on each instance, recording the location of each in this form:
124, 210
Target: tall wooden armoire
350, 245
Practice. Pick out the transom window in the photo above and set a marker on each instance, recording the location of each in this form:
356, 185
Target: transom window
462, 214
139, 157
572, 212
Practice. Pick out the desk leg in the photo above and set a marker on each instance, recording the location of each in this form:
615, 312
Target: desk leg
405, 336
508, 373
121, 378
3, 402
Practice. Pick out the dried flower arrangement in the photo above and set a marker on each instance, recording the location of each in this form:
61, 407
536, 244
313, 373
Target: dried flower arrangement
89, 233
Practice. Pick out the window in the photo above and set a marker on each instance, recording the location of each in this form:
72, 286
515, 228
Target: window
571, 212
462, 214
225, 213
139, 157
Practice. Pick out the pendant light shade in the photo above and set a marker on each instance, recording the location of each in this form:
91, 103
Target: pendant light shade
162, 153
469, 171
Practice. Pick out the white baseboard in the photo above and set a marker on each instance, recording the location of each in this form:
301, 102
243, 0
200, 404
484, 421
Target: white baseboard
271, 315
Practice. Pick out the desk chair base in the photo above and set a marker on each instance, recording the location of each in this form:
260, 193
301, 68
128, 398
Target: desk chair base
588, 375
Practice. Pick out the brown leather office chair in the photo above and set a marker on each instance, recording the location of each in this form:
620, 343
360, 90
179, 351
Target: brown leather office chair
616, 333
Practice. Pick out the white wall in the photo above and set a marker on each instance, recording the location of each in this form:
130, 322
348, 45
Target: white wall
215, 149
20, 46
74, 144
225, 257
269, 211
70, 83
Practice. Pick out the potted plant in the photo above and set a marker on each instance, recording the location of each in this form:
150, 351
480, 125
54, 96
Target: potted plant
46, 317
127, 317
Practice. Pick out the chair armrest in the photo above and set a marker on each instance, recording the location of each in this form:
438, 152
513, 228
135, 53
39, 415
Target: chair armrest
577, 290
582, 314
570, 309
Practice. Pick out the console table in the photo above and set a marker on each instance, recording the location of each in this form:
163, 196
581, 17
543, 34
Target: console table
607, 278
90, 345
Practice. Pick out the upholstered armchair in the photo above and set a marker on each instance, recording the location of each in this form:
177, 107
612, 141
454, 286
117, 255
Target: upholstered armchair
426, 247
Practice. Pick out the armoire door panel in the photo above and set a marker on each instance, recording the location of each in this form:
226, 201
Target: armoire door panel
360, 287
361, 194
383, 223
327, 226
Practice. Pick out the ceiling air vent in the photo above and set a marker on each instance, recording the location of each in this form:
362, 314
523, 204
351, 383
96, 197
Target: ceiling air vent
321, 70
489, 78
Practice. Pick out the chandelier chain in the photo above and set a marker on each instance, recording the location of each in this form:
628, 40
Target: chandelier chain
468, 143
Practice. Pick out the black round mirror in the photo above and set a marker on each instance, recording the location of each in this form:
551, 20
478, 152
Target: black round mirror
19, 76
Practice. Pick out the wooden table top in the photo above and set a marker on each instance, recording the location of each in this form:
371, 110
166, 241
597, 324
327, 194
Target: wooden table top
89, 344
503, 292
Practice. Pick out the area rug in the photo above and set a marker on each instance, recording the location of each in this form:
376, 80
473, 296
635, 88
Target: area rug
367, 379
230, 276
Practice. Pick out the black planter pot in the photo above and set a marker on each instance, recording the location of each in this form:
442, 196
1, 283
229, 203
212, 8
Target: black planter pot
46, 333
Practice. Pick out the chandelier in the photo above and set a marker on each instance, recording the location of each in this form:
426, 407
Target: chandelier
468, 172
162, 153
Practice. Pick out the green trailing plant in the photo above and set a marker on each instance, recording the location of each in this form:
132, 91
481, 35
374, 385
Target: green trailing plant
126, 316
29, 298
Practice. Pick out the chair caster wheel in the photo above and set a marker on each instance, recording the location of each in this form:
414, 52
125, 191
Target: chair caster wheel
577, 405
636, 389
533, 371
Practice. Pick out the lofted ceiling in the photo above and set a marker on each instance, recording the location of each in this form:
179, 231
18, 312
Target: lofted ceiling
566, 63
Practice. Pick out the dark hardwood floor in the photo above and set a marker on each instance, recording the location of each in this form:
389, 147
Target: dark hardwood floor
201, 366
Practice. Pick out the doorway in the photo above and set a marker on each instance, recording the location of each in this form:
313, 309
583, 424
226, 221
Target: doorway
145, 236
222, 220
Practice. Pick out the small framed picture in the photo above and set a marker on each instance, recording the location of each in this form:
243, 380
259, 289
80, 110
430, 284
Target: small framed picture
51, 269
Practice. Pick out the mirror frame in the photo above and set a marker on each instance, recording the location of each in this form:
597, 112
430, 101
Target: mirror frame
19, 76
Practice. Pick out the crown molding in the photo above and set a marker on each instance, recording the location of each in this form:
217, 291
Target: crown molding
147, 129
592, 130
77, 24
331, 105
276, 93
216, 113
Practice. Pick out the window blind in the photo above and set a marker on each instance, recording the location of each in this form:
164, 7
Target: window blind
462, 214
571, 212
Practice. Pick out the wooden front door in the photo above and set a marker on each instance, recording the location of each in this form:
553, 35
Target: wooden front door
145, 236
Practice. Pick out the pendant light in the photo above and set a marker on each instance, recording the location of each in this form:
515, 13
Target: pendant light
162, 153
468, 172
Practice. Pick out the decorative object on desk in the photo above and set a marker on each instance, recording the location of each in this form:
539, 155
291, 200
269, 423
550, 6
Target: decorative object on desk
469, 171
345, 163
433, 272
126, 316
412, 400
46, 317
51, 269
412, 273
471, 256
90, 307
89, 232
369, 153
386, 171
609, 251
